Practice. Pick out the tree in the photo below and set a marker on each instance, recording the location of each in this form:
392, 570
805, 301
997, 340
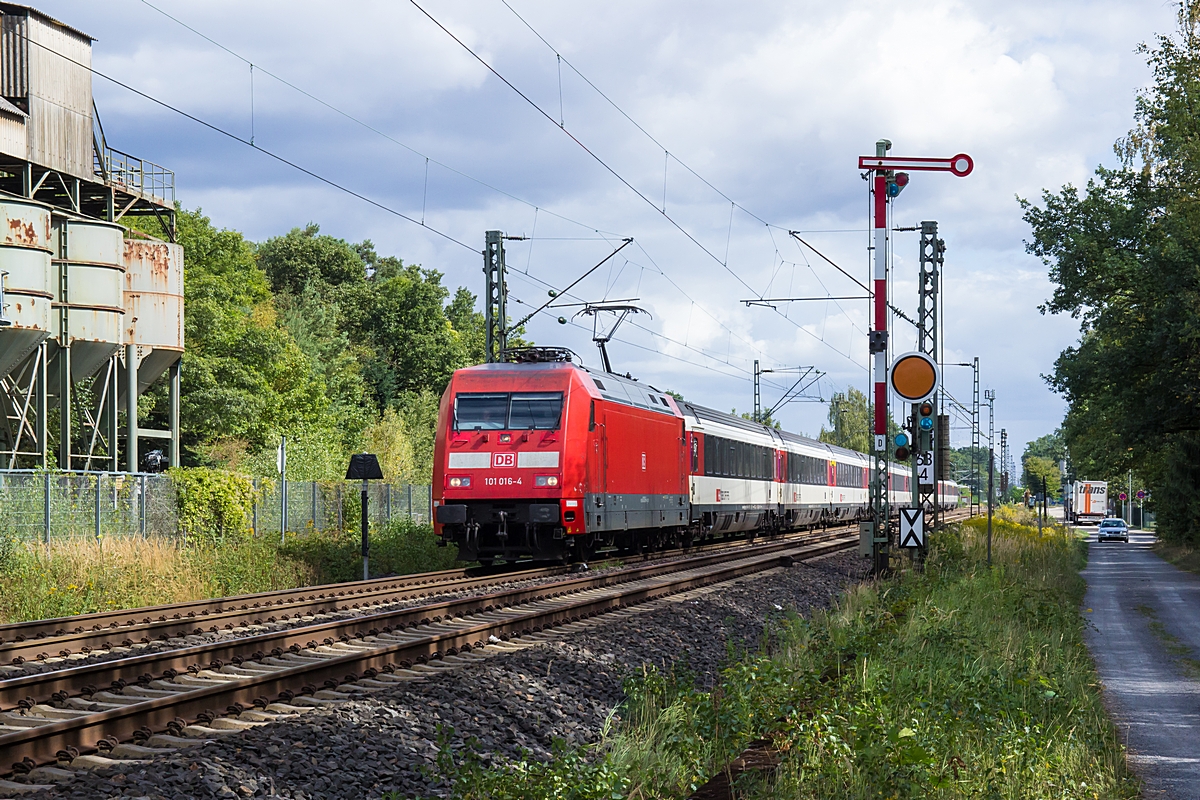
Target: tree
303, 258
1125, 259
849, 421
1035, 470
244, 376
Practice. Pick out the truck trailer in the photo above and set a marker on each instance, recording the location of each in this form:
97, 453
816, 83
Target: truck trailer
1089, 502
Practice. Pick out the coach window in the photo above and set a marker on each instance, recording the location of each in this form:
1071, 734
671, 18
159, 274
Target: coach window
535, 411
486, 412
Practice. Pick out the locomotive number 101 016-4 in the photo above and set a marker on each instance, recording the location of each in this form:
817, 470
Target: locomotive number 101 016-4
501, 481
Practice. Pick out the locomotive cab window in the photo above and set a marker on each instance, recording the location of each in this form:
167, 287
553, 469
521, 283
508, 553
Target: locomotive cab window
487, 412
535, 411
518, 411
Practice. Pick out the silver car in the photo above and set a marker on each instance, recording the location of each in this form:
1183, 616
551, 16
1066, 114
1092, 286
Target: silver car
1112, 528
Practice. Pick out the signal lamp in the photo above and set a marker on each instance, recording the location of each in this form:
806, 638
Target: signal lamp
901, 439
461, 483
902, 454
896, 184
925, 409
546, 480
926, 423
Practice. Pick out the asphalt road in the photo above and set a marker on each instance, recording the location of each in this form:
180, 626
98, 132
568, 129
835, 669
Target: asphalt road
1145, 638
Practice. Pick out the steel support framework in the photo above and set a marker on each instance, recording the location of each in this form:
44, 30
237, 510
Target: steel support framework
976, 477
932, 256
495, 303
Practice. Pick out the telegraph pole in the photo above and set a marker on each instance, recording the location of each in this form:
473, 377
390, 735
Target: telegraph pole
495, 303
975, 434
1003, 464
990, 396
887, 181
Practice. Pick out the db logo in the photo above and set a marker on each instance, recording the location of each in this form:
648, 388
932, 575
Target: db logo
504, 459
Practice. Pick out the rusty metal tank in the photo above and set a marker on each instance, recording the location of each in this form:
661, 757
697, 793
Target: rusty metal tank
93, 297
153, 306
25, 258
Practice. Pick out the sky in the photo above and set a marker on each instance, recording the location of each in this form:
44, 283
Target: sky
704, 131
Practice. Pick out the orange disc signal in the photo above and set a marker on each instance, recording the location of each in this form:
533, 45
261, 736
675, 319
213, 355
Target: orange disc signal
914, 376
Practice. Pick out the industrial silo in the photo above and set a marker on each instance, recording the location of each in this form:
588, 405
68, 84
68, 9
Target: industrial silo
90, 296
26, 320
28, 276
153, 331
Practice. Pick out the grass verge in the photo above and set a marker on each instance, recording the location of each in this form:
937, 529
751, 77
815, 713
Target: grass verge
961, 681
1183, 556
80, 576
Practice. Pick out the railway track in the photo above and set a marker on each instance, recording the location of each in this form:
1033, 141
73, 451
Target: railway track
59, 641
249, 680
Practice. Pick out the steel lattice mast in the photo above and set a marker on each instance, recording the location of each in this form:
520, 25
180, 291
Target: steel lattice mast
884, 173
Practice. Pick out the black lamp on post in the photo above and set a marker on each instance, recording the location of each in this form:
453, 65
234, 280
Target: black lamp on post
364, 467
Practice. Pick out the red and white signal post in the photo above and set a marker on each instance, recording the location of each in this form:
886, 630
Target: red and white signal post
889, 176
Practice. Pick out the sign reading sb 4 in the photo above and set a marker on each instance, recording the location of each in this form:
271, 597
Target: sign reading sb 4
925, 469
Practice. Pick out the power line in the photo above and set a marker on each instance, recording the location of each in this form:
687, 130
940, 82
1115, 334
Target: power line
340, 112
248, 143
421, 223
582, 146
429, 159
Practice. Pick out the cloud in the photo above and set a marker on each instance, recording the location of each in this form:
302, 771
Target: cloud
770, 102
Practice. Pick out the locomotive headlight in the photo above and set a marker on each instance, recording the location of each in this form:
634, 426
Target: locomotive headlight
546, 480
461, 483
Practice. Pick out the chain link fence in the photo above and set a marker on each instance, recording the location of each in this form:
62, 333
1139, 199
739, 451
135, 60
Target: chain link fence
40, 505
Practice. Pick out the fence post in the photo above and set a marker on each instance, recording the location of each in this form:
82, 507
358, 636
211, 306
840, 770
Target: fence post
254, 507
387, 503
339, 508
46, 513
410, 514
99, 480
316, 527
142, 486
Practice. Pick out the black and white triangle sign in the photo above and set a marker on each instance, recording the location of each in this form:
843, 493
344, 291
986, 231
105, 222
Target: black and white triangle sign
912, 527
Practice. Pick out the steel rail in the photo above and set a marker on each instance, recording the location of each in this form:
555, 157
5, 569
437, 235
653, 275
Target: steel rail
44, 686
45, 639
113, 620
235, 686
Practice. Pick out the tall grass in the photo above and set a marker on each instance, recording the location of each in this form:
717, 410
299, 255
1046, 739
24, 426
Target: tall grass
958, 681
84, 575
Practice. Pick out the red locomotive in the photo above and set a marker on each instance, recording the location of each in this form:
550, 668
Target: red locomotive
550, 461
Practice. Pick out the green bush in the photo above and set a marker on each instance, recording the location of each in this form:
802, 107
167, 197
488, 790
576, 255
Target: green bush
213, 503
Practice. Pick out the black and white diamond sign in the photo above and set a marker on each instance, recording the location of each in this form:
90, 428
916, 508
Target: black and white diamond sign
912, 527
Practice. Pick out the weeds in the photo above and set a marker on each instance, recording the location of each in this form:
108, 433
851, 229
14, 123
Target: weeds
961, 681
85, 575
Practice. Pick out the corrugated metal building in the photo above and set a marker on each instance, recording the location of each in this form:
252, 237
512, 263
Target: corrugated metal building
45, 72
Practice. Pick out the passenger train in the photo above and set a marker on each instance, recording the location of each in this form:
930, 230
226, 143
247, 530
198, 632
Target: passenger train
551, 461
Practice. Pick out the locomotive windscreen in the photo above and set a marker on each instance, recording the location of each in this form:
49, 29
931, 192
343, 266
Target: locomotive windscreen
537, 411
520, 411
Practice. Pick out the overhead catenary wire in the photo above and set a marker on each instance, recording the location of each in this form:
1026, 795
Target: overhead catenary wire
421, 223
582, 146
242, 140
428, 159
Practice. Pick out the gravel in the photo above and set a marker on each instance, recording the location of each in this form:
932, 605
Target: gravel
511, 704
